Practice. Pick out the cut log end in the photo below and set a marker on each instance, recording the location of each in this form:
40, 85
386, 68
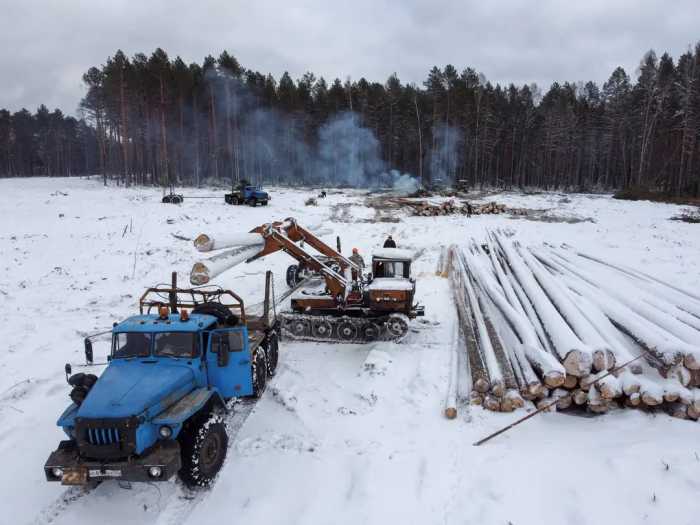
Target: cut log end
450, 412
570, 382
199, 274
577, 363
481, 385
203, 243
492, 403
554, 379
691, 362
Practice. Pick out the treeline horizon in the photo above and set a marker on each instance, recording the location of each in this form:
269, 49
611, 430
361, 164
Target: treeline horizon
153, 120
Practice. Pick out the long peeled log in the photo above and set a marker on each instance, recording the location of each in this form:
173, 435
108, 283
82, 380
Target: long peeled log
485, 344
477, 369
204, 271
208, 243
451, 397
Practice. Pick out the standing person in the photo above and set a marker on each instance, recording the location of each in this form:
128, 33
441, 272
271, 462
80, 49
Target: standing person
469, 210
389, 243
359, 261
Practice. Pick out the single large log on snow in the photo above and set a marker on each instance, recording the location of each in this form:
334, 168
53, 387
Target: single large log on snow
204, 271
451, 397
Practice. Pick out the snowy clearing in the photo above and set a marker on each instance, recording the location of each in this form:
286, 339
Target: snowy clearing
344, 433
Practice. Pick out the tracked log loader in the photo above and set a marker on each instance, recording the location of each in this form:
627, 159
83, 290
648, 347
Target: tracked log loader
347, 306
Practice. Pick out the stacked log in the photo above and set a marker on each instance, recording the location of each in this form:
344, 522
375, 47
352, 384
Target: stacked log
548, 326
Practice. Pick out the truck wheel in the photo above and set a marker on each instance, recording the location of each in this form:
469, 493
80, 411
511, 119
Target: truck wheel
273, 353
397, 326
259, 374
204, 443
292, 270
264, 203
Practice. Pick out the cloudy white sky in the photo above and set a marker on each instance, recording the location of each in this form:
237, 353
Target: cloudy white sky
45, 46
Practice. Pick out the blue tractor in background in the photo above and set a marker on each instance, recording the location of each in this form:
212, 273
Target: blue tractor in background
158, 409
247, 194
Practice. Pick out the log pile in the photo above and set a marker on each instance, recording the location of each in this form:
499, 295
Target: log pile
554, 325
426, 208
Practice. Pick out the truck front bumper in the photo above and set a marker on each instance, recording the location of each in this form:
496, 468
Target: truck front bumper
159, 464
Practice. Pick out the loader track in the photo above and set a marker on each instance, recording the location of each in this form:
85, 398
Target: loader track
331, 329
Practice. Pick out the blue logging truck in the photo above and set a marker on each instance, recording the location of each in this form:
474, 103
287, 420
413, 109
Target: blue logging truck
246, 193
158, 408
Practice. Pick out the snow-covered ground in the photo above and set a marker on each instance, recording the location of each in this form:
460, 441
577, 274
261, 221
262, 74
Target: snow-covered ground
344, 433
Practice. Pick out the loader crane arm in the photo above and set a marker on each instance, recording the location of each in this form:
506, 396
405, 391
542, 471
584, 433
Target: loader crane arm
284, 236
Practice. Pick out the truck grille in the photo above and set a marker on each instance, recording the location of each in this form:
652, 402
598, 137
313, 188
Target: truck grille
103, 436
107, 438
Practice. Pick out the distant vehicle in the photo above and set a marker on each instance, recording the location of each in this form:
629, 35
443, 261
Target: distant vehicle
247, 194
172, 198
157, 409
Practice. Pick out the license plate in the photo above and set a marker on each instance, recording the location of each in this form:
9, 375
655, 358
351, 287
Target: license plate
107, 473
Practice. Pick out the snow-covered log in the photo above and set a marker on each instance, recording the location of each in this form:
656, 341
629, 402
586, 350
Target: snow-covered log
208, 243
204, 271
560, 296
575, 355
551, 370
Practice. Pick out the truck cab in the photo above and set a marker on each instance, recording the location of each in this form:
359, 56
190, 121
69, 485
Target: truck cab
157, 408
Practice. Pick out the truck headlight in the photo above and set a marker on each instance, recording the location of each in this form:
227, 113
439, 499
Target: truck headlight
155, 472
165, 431
57, 472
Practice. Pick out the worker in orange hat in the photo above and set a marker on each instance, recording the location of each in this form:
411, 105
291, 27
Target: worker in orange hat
359, 261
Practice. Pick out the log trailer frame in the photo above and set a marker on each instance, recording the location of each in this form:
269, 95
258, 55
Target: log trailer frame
350, 307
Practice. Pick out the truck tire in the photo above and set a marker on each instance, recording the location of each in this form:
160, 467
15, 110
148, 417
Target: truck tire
203, 444
218, 310
259, 373
273, 353
264, 203
292, 271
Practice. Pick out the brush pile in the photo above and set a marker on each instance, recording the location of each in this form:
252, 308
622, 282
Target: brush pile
549, 324
425, 208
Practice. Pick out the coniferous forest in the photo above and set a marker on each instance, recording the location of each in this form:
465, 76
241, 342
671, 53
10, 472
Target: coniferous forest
157, 120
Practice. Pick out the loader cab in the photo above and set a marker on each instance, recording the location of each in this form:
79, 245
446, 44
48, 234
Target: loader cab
390, 263
392, 288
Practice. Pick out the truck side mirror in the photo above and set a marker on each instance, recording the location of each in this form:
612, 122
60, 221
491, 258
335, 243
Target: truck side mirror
88, 351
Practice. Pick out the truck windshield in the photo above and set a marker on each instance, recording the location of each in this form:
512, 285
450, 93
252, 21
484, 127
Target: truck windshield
131, 344
176, 344
391, 269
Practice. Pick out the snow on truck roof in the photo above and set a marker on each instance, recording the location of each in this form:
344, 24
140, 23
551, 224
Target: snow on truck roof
152, 323
393, 253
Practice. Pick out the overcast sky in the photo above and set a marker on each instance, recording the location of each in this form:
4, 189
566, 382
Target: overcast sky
46, 46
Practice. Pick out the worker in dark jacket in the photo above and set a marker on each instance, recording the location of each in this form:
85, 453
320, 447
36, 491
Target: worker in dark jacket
389, 243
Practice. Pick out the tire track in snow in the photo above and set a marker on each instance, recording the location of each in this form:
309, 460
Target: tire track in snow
186, 500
